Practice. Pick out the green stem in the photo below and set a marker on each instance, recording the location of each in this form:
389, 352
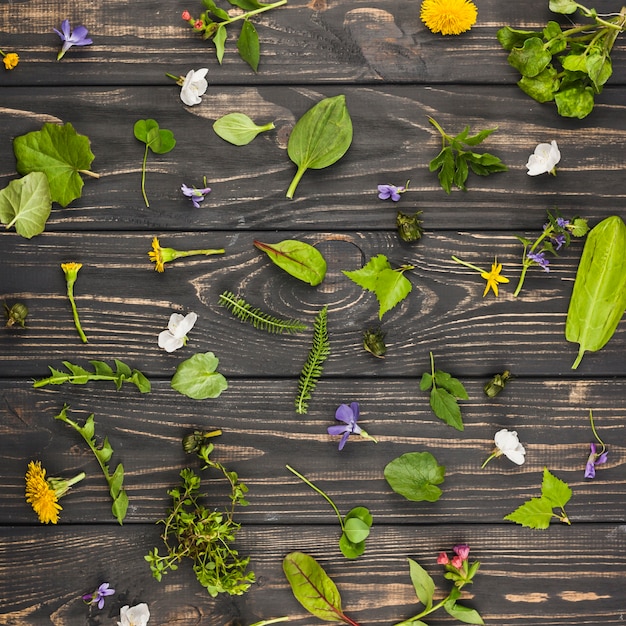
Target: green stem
595, 433
442, 132
70, 295
472, 267
272, 621
143, 177
245, 16
183, 253
89, 173
310, 484
432, 609
295, 181
493, 456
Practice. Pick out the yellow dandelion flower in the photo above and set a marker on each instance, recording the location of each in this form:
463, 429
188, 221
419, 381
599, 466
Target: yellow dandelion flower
40, 495
160, 256
448, 17
493, 278
156, 255
10, 60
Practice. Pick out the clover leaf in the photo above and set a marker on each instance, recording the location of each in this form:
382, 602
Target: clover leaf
25, 203
61, 154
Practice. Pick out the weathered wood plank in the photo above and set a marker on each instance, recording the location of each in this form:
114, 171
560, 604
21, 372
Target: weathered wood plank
517, 583
306, 41
124, 304
393, 142
262, 434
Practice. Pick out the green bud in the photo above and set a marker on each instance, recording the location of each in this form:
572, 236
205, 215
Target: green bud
195, 441
409, 227
374, 342
497, 384
16, 314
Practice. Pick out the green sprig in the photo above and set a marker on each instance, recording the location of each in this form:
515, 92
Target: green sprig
103, 454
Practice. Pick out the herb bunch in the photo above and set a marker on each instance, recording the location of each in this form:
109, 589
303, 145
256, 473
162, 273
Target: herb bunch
569, 66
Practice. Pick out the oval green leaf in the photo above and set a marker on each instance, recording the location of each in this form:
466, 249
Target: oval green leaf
297, 258
26, 204
238, 128
196, 377
414, 476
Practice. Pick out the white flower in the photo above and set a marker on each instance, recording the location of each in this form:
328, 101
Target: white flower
176, 334
134, 616
194, 85
508, 444
544, 159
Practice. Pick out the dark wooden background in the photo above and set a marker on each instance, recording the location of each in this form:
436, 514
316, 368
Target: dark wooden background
394, 73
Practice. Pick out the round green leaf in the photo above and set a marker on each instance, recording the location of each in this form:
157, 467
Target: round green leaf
25, 203
356, 530
414, 476
196, 377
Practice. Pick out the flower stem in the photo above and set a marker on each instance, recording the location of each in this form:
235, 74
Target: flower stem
178, 254
70, 295
245, 16
143, 177
472, 267
493, 456
595, 433
89, 173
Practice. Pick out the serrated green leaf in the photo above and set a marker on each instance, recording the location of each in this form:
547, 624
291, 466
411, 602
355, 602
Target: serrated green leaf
426, 381
238, 128
60, 153
367, 276
391, 288
196, 377
26, 204
446, 408
415, 475
451, 384
248, 45
553, 489
423, 584
302, 260
101, 368
535, 513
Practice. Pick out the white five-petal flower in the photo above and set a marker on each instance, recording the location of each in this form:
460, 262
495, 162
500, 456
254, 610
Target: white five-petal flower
194, 85
137, 615
176, 334
544, 159
508, 444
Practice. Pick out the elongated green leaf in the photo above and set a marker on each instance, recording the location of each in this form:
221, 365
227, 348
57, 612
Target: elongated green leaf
415, 475
462, 613
320, 137
423, 584
60, 153
312, 587
238, 128
599, 296
248, 45
26, 204
297, 258
196, 377
219, 40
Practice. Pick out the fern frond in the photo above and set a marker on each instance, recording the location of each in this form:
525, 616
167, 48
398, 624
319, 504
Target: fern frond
259, 319
312, 369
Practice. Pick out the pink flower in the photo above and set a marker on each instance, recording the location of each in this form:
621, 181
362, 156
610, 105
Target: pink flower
443, 559
457, 562
198, 24
462, 551
186, 16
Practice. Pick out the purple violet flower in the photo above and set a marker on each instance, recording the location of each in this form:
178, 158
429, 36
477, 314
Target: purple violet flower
390, 191
196, 195
558, 241
593, 460
98, 596
77, 37
349, 415
562, 222
540, 259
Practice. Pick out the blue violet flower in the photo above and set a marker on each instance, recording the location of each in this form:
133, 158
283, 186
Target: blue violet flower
540, 259
349, 415
196, 195
390, 191
98, 596
77, 37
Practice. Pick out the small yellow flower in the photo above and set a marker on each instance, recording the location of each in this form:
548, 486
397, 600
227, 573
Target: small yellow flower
448, 17
40, 495
160, 256
71, 269
156, 255
10, 60
493, 278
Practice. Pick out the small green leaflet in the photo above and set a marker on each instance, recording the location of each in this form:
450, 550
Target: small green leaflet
356, 529
537, 512
415, 475
313, 588
320, 137
297, 258
460, 612
238, 128
390, 286
26, 204
61, 154
444, 393
196, 377
81, 376
103, 454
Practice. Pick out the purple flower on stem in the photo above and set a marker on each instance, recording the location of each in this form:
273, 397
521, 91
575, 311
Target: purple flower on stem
540, 259
196, 195
462, 551
98, 596
390, 191
349, 415
593, 460
558, 241
77, 37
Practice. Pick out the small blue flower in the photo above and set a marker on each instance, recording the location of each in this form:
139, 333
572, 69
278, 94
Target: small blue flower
540, 259
593, 460
77, 37
196, 195
390, 191
98, 596
558, 241
349, 415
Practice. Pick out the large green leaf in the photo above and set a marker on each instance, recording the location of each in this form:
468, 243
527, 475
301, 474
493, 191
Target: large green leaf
300, 259
25, 203
61, 153
196, 377
423, 584
415, 475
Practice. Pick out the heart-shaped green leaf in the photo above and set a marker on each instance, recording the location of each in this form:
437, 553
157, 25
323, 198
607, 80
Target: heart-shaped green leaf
414, 476
25, 203
196, 377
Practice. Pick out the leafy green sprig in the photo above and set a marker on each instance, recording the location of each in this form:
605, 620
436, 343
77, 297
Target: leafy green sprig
355, 526
80, 376
569, 66
454, 161
444, 393
103, 454
312, 368
259, 319
212, 24
205, 536
538, 512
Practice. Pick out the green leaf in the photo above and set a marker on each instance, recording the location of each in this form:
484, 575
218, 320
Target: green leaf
446, 408
553, 489
238, 129
213, 8
542, 87
463, 613
531, 59
426, 382
367, 276
423, 584
575, 101
320, 137
510, 38
101, 368
446, 163
535, 513
247, 5
599, 69
160, 141
351, 550
248, 45
297, 258
196, 377
357, 524
26, 204
563, 6
415, 475
60, 153
312, 587
451, 384
219, 40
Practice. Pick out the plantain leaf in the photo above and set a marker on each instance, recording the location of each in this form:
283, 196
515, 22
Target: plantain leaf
26, 204
238, 128
297, 258
60, 153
